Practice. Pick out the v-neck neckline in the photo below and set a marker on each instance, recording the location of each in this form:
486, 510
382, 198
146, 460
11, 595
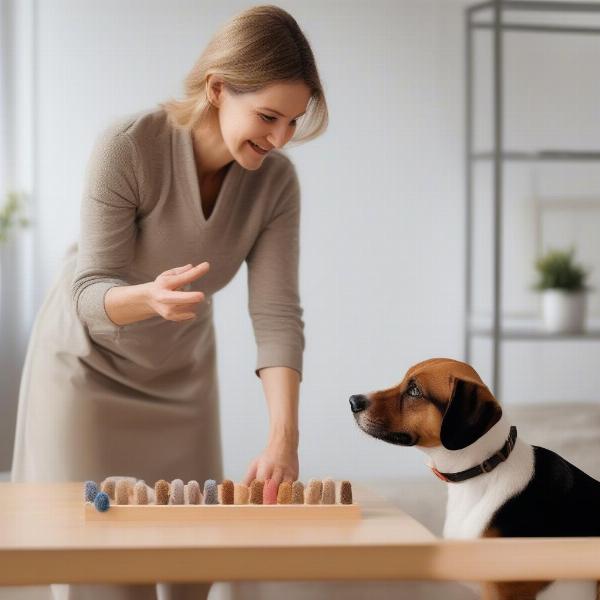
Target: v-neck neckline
195, 195
211, 205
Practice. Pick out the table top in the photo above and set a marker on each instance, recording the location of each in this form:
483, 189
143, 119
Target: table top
44, 538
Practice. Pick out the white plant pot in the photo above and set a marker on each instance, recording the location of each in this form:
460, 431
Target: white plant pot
562, 311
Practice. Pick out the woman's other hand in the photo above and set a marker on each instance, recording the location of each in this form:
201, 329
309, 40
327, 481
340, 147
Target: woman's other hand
278, 461
165, 298
125, 304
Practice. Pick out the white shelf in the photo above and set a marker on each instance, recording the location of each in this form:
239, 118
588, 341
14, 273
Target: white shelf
541, 155
527, 326
535, 334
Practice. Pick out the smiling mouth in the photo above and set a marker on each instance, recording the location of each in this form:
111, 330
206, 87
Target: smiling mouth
257, 148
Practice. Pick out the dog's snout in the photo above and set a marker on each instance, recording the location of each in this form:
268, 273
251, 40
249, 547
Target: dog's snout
358, 403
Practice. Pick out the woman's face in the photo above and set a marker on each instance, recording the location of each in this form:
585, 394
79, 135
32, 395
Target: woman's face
254, 123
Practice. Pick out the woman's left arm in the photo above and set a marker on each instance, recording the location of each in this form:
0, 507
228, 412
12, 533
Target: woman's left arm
279, 460
274, 305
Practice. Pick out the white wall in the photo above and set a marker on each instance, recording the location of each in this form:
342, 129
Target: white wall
382, 223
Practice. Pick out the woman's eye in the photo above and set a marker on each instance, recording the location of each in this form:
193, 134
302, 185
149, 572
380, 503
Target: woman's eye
414, 391
270, 119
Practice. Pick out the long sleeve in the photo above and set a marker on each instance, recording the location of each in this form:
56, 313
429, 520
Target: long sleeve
274, 302
108, 227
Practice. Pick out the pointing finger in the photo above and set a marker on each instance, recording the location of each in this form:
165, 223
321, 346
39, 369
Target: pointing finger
177, 270
180, 279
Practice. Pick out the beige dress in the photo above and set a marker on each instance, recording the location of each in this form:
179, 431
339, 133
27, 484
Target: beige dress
99, 399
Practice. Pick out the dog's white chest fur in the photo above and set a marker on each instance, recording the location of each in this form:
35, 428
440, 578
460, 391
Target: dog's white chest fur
472, 503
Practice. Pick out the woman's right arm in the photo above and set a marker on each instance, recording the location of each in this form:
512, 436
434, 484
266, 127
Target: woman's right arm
125, 304
111, 199
103, 298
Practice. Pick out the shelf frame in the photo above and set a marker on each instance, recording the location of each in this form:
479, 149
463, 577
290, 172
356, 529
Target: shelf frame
542, 155
498, 27
536, 334
535, 6
526, 27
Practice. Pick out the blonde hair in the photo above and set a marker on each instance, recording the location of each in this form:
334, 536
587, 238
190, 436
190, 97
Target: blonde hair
258, 47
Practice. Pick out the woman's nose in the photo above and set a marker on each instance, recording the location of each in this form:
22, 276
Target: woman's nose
279, 138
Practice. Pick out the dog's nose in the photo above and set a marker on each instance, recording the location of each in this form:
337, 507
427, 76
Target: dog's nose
358, 403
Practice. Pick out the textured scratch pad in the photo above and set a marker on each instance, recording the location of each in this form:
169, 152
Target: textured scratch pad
177, 502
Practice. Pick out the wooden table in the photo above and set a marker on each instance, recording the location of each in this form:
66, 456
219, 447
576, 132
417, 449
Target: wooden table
45, 539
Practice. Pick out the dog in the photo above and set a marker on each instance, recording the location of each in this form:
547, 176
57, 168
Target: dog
499, 486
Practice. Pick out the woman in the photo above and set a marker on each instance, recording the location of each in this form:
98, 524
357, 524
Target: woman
120, 375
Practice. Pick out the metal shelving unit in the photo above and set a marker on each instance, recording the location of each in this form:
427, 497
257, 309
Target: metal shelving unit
494, 16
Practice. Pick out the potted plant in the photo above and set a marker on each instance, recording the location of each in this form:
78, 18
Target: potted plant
563, 287
11, 215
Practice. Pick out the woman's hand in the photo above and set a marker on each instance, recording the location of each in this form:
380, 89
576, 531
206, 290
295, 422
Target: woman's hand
278, 461
165, 299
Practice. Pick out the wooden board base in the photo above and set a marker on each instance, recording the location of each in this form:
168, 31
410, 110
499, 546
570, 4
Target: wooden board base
222, 512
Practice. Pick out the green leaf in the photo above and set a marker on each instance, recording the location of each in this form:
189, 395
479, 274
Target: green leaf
557, 270
11, 215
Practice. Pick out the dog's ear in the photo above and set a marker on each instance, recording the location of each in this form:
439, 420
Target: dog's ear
471, 412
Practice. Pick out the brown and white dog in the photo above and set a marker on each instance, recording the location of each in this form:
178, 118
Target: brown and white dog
499, 486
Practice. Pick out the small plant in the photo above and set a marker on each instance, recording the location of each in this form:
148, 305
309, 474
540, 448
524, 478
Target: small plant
557, 270
11, 215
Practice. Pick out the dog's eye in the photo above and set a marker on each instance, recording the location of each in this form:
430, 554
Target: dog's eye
413, 391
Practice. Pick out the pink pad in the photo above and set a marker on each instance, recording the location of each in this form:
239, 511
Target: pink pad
270, 492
